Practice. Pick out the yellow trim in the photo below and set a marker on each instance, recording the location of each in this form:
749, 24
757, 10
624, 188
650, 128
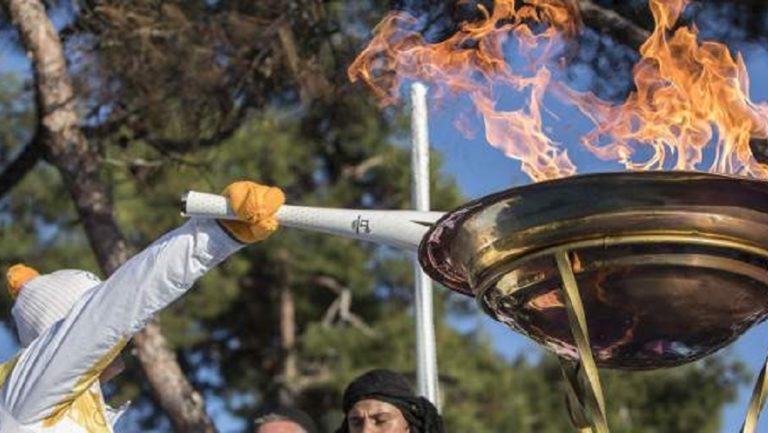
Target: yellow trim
87, 411
757, 401
85, 406
578, 323
7, 367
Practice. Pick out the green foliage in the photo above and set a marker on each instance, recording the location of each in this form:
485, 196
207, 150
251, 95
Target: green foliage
34, 211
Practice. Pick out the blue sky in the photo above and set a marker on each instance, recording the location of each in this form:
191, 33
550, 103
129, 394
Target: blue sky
480, 170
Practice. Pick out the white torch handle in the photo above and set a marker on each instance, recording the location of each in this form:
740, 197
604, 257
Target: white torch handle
397, 228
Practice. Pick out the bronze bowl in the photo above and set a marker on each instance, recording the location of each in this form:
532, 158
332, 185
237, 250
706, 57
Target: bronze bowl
671, 266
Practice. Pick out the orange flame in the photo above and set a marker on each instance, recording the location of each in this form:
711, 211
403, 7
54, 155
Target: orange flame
689, 94
472, 62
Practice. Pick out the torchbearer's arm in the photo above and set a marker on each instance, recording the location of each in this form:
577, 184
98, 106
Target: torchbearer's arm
67, 359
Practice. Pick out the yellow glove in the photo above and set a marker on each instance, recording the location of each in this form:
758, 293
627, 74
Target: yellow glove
255, 206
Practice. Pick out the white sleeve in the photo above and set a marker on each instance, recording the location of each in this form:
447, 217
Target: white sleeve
67, 359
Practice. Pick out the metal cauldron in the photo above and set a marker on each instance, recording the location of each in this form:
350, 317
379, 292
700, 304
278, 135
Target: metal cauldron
670, 266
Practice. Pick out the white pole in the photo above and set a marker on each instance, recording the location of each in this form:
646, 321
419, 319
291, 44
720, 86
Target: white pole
426, 358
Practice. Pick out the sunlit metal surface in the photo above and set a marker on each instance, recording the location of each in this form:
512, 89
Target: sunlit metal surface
671, 266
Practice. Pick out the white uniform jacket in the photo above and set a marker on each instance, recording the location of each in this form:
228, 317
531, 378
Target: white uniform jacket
52, 385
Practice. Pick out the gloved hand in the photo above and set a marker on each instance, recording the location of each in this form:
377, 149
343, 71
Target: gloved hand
255, 206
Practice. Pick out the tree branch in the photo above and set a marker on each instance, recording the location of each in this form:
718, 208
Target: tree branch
312, 83
612, 23
357, 172
23, 164
342, 305
166, 146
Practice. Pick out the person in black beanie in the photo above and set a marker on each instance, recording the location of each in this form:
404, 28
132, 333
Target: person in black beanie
283, 420
382, 401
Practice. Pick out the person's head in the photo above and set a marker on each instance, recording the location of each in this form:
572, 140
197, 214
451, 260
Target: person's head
382, 401
42, 300
372, 415
283, 420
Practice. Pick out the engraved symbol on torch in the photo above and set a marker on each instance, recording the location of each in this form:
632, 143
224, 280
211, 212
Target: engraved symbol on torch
361, 225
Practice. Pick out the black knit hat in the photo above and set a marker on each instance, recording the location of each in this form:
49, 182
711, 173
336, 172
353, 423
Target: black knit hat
289, 413
393, 388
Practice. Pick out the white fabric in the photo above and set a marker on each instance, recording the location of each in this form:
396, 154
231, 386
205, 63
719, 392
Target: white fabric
46, 299
63, 357
8, 424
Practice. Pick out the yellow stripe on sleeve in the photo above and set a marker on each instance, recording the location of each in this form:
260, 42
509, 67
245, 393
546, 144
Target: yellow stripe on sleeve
82, 400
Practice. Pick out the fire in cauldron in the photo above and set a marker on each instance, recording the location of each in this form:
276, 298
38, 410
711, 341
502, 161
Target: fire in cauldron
633, 270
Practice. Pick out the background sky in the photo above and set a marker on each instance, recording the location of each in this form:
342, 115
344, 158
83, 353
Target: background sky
479, 170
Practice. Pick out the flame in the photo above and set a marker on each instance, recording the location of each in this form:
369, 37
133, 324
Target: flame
688, 94
472, 62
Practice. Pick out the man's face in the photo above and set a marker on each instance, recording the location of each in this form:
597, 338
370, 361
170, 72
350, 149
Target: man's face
374, 416
283, 426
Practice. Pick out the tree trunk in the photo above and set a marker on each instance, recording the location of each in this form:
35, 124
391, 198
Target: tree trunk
183, 404
289, 374
78, 164
288, 345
